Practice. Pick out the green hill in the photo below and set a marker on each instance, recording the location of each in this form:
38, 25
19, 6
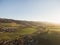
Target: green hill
7, 27
45, 33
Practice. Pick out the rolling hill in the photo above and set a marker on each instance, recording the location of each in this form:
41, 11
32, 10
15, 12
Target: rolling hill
43, 32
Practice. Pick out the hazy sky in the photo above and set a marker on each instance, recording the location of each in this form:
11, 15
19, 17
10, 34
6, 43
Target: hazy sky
40, 10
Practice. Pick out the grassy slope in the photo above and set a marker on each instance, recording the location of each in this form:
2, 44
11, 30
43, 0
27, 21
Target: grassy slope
13, 35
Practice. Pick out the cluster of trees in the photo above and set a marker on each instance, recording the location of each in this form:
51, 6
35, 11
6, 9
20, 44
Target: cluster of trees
26, 40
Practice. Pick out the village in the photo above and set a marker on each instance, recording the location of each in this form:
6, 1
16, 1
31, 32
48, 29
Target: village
7, 29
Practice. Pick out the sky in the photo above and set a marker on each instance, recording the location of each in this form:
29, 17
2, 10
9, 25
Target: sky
32, 10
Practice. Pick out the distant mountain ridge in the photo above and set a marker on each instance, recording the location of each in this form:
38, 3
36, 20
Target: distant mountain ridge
24, 22
27, 23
